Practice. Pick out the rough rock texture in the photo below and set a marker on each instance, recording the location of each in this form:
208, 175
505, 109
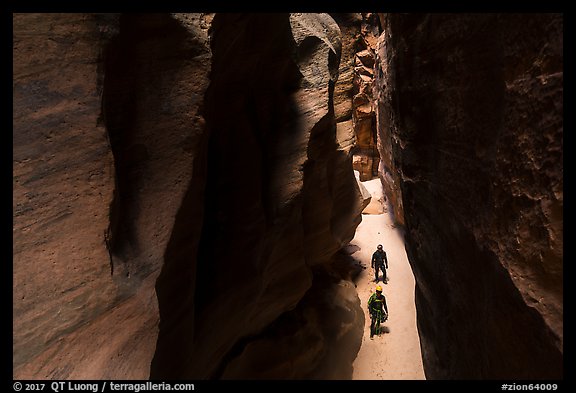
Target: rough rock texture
272, 198
366, 156
474, 121
388, 170
353, 101
156, 74
319, 339
116, 175
105, 124
349, 25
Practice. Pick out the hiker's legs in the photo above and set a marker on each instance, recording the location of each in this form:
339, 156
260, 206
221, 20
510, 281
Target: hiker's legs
376, 267
373, 325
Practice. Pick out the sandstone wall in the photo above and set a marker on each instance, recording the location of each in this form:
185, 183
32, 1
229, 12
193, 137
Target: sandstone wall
116, 176
471, 110
106, 123
273, 197
353, 99
366, 156
349, 25
384, 85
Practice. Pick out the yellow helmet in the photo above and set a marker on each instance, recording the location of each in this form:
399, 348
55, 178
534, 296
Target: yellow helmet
378, 288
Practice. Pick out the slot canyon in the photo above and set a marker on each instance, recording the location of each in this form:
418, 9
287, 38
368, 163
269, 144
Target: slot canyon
198, 196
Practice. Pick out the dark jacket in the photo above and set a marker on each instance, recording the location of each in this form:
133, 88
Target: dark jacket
379, 257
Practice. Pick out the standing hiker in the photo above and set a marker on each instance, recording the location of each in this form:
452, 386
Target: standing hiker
379, 261
378, 311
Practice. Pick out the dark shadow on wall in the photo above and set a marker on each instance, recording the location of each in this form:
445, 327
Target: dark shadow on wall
239, 251
134, 91
474, 129
218, 247
319, 339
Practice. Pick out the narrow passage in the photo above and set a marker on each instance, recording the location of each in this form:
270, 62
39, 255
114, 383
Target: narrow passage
395, 354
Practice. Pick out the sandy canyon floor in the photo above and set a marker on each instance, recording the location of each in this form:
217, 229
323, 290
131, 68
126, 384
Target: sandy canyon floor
395, 353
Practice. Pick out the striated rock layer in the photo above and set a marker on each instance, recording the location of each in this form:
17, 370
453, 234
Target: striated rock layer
273, 196
388, 171
349, 25
106, 124
473, 119
366, 155
116, 176
353, 97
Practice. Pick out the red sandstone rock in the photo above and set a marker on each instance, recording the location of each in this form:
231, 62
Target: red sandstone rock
106, 121
470, 107
272, 199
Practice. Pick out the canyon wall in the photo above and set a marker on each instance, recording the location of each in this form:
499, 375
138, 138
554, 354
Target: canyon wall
388, 171
349, 25
106, 122
272, 199
166, 229
471, 111
366, 156
182, 186
353, 97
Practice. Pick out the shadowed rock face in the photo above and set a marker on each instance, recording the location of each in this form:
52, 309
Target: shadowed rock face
349, 25
106, 123
388, 171
319, 339
272, 197
116, 176
156, 74
473, 118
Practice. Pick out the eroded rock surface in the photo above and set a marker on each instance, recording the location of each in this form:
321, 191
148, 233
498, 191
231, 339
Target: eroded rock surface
272, 198
106, 123
366, 155
472, 114
384, 84
126, 164
116, 175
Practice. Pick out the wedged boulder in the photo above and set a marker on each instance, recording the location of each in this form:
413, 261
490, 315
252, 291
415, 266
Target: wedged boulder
364, 58
377, 200
367, 195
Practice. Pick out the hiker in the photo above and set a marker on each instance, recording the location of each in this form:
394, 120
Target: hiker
379, 261
378, 311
